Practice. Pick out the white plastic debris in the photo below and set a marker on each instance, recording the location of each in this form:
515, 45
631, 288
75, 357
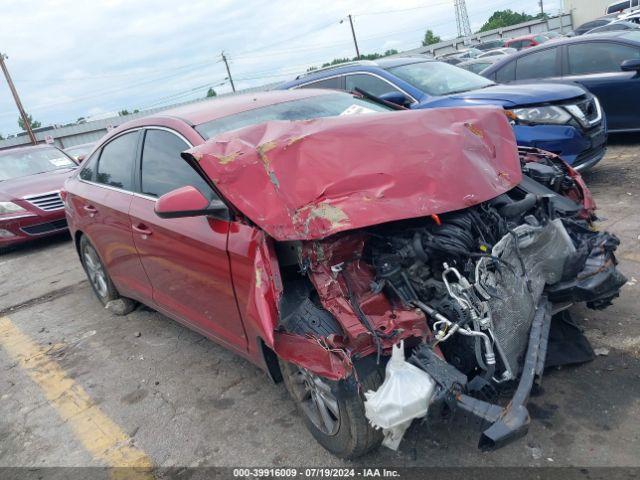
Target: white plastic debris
404, 395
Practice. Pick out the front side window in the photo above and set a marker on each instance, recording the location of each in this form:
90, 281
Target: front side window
507, 73
115, 165
163, 169
370, 84
540, 64
597, 57
333, 83
329, 105
32, 161
439, 78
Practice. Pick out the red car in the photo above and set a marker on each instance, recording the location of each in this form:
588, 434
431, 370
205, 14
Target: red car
30, 183
526, 41
314, 233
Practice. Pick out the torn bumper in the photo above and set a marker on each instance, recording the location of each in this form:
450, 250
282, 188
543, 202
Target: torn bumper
507, 423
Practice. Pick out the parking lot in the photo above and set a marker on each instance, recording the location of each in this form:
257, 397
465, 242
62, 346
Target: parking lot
81, 387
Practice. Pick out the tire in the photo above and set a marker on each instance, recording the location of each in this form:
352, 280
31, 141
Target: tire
100, 281
352, 435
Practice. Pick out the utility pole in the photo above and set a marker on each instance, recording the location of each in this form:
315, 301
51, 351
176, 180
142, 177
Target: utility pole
462, 19
353, 32
23, 114
541, 8
226, 64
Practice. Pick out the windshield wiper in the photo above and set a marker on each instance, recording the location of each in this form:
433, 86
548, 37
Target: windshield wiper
378, 100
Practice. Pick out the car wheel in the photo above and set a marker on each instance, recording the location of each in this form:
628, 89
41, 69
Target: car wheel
336, 420
100, 281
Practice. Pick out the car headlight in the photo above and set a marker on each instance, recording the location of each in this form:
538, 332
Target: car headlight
10, 207
556, 115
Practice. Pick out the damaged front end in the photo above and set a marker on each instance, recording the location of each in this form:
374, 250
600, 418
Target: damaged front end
470, 293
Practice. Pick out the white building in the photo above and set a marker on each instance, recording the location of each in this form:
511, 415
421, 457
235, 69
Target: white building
585, 10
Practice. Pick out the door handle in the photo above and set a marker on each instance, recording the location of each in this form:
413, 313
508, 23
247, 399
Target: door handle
90, 209
142, 229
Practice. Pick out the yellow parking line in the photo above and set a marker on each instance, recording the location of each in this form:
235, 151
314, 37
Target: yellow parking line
99, 435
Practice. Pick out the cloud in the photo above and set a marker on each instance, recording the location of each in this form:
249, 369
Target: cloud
70, 57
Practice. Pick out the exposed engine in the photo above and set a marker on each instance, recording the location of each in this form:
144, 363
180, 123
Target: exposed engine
479, 274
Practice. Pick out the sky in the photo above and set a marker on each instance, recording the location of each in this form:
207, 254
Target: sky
72, 59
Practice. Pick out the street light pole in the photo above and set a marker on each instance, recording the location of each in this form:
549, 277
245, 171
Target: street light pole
226, 64
23, 114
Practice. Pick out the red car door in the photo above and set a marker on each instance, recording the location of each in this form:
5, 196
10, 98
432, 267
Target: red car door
186, 259
101, 199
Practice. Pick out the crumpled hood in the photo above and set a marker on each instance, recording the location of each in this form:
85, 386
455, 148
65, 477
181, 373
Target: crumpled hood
522, 94
310, 179
34, 184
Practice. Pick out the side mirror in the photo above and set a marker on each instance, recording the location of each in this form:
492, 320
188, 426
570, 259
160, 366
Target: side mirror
630, 65
398, 98
80, 158
189, 202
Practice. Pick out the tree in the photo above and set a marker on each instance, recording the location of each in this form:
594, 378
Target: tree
124, 112
34, 124
211, 93
1, 137
505, 18
368, 56
430, 38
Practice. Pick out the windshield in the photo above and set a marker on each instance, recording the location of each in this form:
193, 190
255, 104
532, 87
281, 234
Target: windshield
438, 78
330, 105
30, 162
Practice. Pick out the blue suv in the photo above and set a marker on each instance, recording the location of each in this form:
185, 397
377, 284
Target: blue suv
560, 118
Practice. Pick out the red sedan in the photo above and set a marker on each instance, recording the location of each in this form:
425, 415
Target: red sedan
314, 233
526, 41
30, 183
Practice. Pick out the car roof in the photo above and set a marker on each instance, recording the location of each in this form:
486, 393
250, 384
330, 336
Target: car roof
382, 63
490, 59
525, 37
202, 112
40, 146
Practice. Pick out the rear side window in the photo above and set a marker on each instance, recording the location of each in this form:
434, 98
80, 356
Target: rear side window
163, 169
369, 84
517, 44
115, 166
333, 83
595, 57
540, 64
507, 73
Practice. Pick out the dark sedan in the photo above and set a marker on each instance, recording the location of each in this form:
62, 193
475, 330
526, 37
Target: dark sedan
607, 64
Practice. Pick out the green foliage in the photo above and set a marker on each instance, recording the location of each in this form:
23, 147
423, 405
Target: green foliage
505, 18
124, 112
368, 56
211, 93
1, 137
430, 38
32, 122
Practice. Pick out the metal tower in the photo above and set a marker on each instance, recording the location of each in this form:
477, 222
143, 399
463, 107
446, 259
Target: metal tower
462, 18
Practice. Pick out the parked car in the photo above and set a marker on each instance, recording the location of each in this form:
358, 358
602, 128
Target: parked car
598, 22
80, 152
489, 45
30, 203
526, 41
478, 65
545, 115
497, 52
614, 27
621, 6
272, 236
460, 55
607, 64
553, 35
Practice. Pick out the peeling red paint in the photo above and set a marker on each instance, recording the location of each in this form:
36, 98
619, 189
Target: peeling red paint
311, 179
